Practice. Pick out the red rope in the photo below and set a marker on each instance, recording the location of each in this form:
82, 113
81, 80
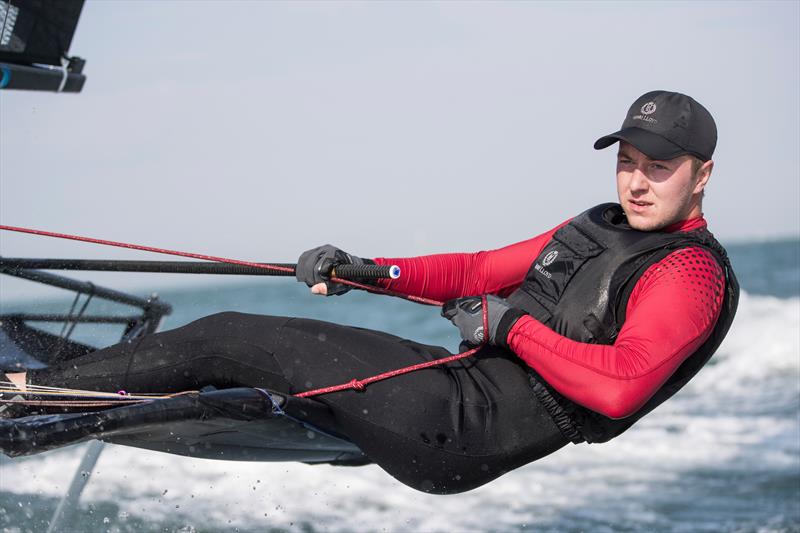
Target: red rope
355, 384
387, 292
204, 257
360, 384
146, 248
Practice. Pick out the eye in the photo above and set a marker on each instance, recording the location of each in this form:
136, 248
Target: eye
659, 166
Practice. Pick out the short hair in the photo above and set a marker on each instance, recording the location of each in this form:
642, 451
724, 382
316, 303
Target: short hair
696, 163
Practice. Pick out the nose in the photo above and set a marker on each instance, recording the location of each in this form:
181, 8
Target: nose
639, 182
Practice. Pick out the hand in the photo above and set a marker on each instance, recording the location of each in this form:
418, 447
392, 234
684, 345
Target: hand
467, 315
315, 264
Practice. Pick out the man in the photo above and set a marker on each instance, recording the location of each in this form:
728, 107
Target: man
588, 327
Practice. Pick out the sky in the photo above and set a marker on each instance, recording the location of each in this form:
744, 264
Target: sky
256, 130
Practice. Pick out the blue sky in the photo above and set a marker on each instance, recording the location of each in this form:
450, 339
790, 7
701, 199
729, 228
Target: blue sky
259, 129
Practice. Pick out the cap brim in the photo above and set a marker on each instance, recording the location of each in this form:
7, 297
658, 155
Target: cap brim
650, 144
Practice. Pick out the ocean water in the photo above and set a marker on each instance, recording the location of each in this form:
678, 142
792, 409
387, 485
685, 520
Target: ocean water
723, 455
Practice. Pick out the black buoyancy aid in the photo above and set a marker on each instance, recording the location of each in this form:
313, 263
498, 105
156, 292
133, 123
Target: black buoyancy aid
579, 287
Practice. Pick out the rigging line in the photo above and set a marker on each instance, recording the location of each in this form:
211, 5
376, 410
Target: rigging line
360, 384
10, 386
74, 403
108, 402
44, 396
72, 321
387, 292
82, 394
45, 387
264, 266
355, 384
92, 394
145, 248
69, 316
64, 73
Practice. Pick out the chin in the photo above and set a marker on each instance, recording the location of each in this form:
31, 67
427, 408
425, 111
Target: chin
644, 223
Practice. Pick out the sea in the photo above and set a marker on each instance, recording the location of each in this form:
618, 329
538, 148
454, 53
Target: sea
722, 456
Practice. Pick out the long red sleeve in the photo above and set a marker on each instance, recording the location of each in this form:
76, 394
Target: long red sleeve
671, 312
446, 276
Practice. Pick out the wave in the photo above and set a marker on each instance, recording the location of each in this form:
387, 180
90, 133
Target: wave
759, 360
723, 455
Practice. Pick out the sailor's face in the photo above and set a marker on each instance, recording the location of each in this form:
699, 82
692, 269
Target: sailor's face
655, 194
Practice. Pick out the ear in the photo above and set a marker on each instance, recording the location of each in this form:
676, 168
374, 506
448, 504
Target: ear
702, 176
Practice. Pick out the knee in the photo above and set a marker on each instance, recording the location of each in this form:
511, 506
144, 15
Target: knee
206, 328
450, 479
218, 323
233, 332
228, 319
434, 471
222, 319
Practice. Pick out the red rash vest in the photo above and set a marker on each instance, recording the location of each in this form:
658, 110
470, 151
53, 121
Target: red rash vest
672, 310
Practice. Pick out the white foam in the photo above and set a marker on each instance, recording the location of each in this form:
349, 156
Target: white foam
701, 429
764, 342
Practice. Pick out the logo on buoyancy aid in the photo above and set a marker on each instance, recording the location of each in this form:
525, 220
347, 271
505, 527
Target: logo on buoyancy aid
547, 261
549, 258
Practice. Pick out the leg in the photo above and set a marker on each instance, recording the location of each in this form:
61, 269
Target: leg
445, 429
223, 350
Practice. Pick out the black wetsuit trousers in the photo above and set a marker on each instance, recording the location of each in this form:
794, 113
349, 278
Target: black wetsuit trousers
444, 429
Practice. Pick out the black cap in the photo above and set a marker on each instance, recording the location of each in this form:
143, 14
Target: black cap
664, 125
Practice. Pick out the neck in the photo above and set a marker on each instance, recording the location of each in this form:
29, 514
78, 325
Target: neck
687, 224
696, 210
691, 210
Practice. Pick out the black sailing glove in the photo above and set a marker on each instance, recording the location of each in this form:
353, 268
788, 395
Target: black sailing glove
315, 264
467, 315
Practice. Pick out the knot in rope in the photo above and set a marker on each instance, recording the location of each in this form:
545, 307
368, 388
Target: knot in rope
357, 385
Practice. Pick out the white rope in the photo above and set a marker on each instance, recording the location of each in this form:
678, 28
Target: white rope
64, 74
10, 387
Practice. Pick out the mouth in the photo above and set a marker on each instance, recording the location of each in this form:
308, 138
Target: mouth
639, 206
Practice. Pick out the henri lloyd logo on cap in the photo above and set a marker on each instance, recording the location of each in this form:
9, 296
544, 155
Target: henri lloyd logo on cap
674, 124
647, 109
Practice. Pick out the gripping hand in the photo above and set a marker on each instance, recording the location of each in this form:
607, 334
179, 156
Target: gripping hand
467, 315
314, 267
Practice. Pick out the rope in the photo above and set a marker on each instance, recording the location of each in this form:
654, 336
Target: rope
39, 390
263, 266
64, 73
93, 398
145, 248
354, 384
360, 384
72, 321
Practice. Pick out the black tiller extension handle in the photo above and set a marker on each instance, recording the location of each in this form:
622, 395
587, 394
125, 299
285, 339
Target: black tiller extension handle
365, 272
353, 272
